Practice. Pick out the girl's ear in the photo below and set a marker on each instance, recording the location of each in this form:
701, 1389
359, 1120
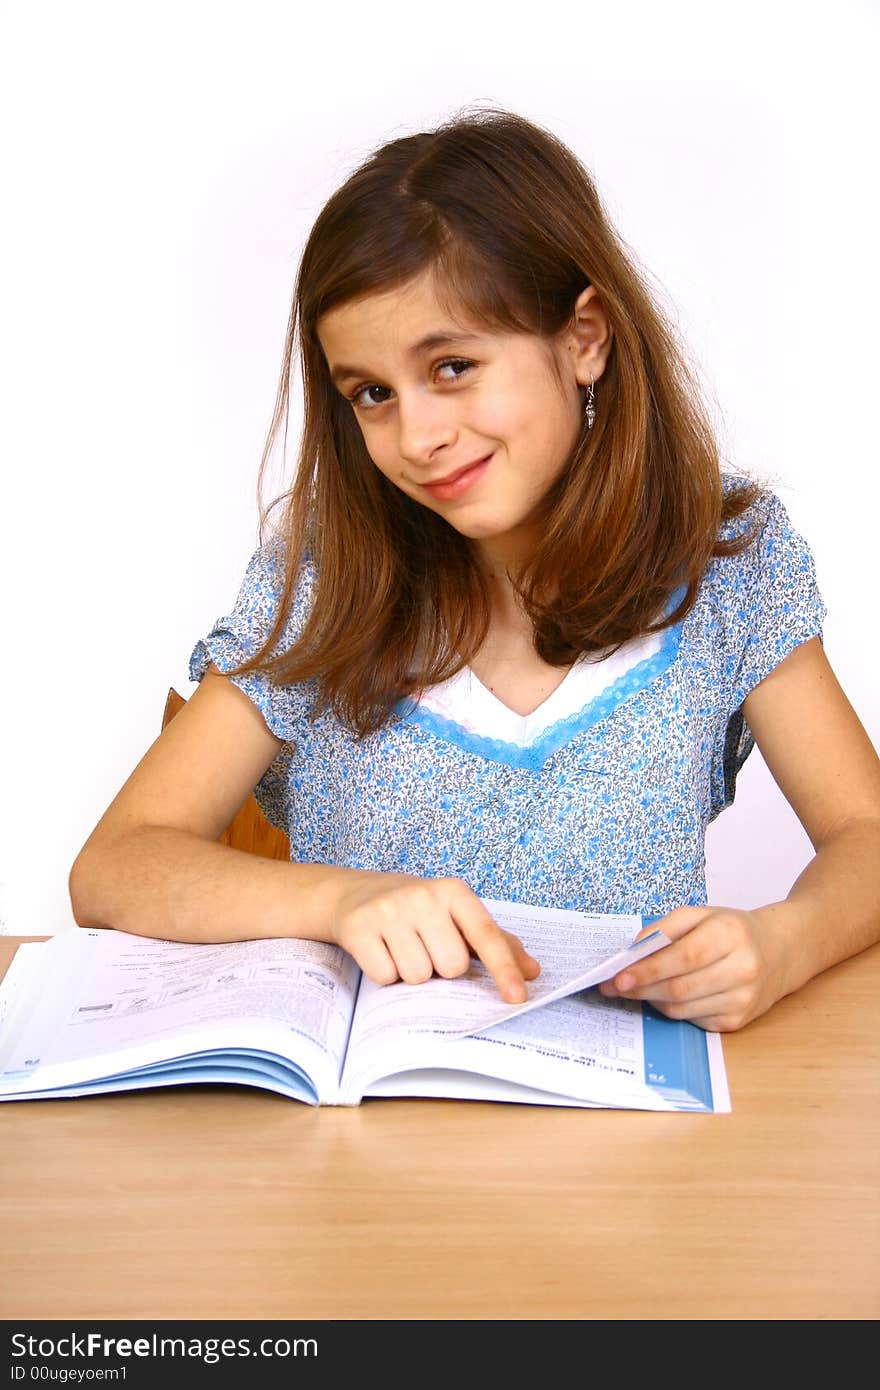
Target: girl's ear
589, 336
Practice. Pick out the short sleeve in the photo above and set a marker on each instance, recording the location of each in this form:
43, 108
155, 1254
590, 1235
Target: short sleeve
772, 605
780, 603
237, 636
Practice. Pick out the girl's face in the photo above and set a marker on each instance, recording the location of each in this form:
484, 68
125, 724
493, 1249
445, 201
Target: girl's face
467, 421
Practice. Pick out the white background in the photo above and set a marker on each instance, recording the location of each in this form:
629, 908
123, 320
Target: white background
162, 165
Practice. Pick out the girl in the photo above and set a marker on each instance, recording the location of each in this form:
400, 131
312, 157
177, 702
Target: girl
515, 635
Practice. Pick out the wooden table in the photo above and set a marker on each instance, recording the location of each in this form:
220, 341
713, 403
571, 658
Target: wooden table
213, 1202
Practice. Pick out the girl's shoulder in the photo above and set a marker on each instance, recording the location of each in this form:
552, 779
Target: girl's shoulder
766, 507
775, 552
756, 605
263, 589
242, 632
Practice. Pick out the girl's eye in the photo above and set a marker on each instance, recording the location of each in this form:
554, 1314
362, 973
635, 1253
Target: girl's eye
362, 400
356, 398
455, 362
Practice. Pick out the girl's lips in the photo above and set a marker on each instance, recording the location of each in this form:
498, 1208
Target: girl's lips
444, 492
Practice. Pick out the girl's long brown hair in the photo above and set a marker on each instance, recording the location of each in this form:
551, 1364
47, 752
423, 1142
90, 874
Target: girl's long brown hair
512, 227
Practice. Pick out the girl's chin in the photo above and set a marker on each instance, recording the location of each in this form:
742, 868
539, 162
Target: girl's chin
477, 530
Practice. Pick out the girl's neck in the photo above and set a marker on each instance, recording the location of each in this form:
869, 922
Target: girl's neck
498, 561
507, 663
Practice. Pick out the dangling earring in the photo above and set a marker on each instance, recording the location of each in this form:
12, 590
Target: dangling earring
590, 407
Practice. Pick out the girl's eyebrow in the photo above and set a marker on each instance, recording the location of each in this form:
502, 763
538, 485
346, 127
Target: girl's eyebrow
431, 340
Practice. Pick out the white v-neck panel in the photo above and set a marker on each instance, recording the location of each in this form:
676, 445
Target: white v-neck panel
465, 701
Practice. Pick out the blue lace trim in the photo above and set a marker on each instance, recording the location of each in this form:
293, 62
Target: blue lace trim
553, 738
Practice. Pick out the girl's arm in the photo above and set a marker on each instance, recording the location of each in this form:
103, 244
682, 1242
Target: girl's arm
152, 865
726, 966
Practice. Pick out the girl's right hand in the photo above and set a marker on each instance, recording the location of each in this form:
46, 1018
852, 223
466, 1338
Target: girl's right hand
399, 927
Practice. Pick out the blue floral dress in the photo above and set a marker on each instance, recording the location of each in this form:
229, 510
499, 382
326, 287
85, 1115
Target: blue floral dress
598, 801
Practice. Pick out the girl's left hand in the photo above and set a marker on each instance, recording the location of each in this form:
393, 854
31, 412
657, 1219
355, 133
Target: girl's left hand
724, 968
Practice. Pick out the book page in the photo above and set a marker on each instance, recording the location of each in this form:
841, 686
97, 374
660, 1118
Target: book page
711, 1093
583, 1050
15, 990
426, 1024
107, 1001
586, 1048
462, 1085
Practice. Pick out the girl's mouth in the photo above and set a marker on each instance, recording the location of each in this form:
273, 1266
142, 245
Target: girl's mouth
446, 491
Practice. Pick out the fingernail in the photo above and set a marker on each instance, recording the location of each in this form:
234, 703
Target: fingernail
624, 981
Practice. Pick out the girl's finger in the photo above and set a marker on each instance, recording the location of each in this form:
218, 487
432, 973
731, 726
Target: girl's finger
695, 950
527, 964
495, 948
406, 948
718, 1013
446, 947
687, 988
374, 959
675, 923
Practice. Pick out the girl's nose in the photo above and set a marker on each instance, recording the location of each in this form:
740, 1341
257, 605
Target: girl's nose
425, 425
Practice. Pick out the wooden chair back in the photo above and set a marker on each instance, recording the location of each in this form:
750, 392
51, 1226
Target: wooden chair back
249, 830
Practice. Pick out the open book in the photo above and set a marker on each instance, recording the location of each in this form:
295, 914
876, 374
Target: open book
92, 1011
